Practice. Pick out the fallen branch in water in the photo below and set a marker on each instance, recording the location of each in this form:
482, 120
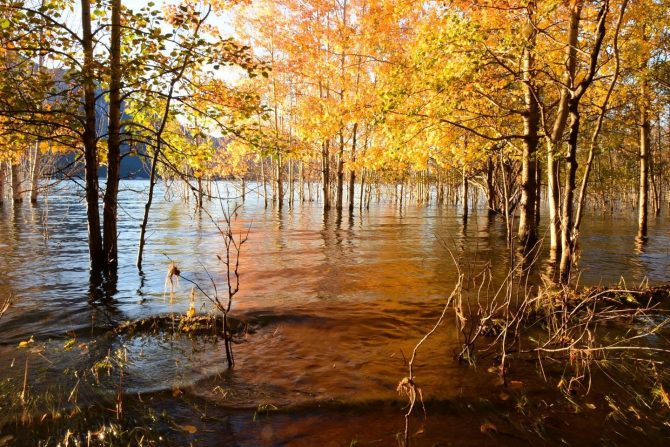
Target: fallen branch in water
407, 386
5, 306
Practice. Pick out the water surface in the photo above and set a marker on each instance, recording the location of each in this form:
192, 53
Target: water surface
337, 300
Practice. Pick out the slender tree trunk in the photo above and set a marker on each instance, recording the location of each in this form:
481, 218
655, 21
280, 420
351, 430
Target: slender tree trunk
581, 198
340, 173
527, 229
301, 173
90, 141
538, 194
490, 187
35, 170
643, 195
553, 140
553, 187
265, 183
15, 173
464, 196
113, 143
147, 207
325, 173
568, 194
157, 152
2, 184
291, 182
279, 182
352, 172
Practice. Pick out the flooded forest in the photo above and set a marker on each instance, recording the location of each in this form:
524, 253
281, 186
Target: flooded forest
334, 223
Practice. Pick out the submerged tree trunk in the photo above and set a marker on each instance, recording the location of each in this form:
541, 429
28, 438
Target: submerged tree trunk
527, 230
265, 183
553, 187
554, 138
581, 198
490, 187
568, 194
147, 207
301, 174
90, 141
35, 171
340, 174
464, 196
2, 184
279, 185
538, 191
352, 172
325, 173
15, 173
291, 182
643, 194
113, 142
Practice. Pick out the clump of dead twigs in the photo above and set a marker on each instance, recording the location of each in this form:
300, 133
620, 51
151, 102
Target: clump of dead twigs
569, 331
230, 258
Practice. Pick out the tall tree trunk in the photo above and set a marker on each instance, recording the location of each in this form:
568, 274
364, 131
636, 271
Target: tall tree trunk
643, 194
527, 230
553, 187
576, 94
291, 182
581, 198
147, 206
340, 173
35, 171
538, 193
279, 179
2, 184
556, 134
490, 187
301, 174
113, 142
265, 183
352, 172
464, 196
568, 194
90, 141
325, 173
15, 173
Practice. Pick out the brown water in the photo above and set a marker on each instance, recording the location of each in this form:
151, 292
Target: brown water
337, 301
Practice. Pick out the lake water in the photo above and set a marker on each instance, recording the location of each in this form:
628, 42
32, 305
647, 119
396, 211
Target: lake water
337, 300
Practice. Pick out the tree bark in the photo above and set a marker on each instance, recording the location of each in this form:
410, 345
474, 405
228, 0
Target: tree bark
527, 230
576, 94
464, 197
110, 208
279, 179
643, 194
568, 194
15, 173
581, 198
352, 172
2, 184
35, 170
325, 173
340, 173
556, 134
90, 141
